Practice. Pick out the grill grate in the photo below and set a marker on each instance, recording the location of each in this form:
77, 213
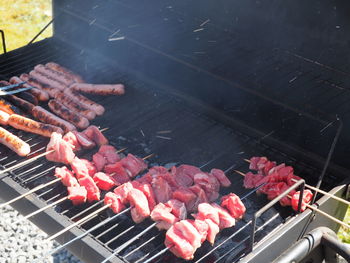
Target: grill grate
134, 122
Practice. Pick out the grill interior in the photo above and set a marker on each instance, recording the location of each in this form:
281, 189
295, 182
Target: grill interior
194, 134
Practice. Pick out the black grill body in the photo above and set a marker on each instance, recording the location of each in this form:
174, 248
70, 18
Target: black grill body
230, 80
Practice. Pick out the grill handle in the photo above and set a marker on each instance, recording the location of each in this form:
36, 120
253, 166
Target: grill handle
319, 236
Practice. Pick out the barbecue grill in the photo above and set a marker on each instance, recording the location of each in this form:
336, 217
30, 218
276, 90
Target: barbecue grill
227, 80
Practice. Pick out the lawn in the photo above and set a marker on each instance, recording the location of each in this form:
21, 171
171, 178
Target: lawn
21, 20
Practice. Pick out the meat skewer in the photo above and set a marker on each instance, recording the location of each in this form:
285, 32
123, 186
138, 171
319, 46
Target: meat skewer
14, 143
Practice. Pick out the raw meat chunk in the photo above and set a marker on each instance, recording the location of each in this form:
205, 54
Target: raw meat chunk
178, 245
62, 150
66, 176
220, 175
178, 208
93, 193
162, 189
122, 192
186, 196
213, 230
95, 135
234, 205
140, 206
104, 181
73, 141
77, 194
116, 205
226, 220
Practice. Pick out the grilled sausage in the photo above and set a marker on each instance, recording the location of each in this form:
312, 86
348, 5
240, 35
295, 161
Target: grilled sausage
45, 116
38, 93
99, 89
14, 143
65, 71
75, 106
97, 108
4, 117
23, 95
23, 104
43, 78
59, 76
8, 107
22, 123
65, 113
35, 83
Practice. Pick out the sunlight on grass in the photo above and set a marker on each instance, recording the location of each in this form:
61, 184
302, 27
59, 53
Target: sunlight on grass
344, 234
21, 20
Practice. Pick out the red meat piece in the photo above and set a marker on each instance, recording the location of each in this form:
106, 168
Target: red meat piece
209, 183
95, 135
201, 195
276, 168
155, 170
93, 193
290, 179
178, 208
99, 161
110, 153
234, 205
133, 165
73, 141
220, 175
213, 230
160, 171
80, 168
62, 150
162, 189
147, 178
90, 166
252, 180
226, 220
147, 190
307, 197
178, 245
116, 205
201, 227
77, 194
181, 175
83, 140
66, 176
162, 214
118, 172
186, 196
275, 189
122, 192
205, 210
189, 232
104, 181
140, 206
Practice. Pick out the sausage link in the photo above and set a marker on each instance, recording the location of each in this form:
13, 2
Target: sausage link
14, 143
65, 113
99, 89
36, 83
22, 123
4, 117
97, 108
38, 93
75, 106
45, 116
65, 71
8, 107
23, 104
59, 76
43, 78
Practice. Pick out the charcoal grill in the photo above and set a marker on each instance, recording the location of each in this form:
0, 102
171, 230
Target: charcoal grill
194, 70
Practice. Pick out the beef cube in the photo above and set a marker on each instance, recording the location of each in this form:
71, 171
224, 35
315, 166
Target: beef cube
178, 245
201, 227
209, 183
162, 190
122, 192
104, 181
178, 208
77, 194
95, 135
226, 220
201, 195
140, 206
234, 205
188, 170
205, 210
116, 205
90, 166
133, 165
62, 150
186, 196
307, 197
79, 167
221, 177
93, 193
110, 153
99, 161
213, 230
83, 140
147, 178
147, 190
181, 177
162, 214
189, 232
73, 141
118, 172
252, 180
66, 176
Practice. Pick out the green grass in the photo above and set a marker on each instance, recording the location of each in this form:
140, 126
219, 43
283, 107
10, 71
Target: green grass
21, 20
344, 234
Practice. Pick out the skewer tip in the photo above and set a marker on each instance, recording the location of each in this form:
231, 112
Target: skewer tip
240, 173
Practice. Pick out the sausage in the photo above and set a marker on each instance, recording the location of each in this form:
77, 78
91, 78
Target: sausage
65, 113
45, 116
43, 78
65, 71
8, 107
36, 83
59, 76
38, 93
14, 143
75, 95
4, 117
23, 95
75, 106
23, 104
99, 89
22, 123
